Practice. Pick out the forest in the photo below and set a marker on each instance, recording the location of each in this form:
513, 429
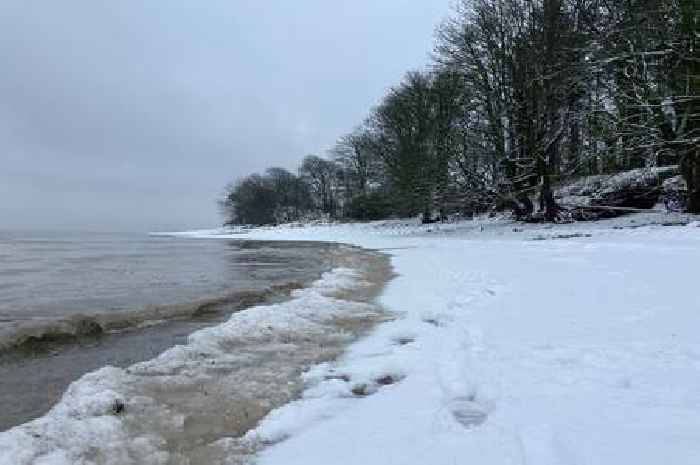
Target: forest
519, 97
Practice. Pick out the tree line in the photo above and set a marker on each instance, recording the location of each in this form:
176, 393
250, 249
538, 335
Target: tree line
519, 96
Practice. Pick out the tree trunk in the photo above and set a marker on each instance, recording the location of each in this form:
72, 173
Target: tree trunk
692, 177
547, 202
548, 205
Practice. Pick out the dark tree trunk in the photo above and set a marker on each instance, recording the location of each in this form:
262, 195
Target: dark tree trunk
548, 205
691, 173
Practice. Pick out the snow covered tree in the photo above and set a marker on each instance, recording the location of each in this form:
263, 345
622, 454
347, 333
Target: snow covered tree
521, 96
650, 48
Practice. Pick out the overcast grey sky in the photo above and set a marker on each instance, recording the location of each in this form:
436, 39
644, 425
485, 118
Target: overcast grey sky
133, 115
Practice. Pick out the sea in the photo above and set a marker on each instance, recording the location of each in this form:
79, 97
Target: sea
72, 302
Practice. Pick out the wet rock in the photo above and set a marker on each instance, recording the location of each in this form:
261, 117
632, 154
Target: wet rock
386, 380
118, 407
344, 378
360, 390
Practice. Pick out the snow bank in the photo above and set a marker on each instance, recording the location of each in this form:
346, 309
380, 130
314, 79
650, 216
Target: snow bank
579, 348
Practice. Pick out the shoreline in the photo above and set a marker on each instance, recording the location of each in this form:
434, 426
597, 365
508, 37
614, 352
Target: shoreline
39, 359
163, 397
46, 334
35, 374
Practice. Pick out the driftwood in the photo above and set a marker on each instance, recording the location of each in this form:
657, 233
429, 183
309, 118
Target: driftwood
634, 191
612, 208
639, 197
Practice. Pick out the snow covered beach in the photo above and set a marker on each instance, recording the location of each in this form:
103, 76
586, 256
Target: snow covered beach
510, 344
513, 345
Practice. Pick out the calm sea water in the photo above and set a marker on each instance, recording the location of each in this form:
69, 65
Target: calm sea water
52, 275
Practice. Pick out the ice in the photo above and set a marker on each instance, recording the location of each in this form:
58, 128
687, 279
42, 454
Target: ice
163, 411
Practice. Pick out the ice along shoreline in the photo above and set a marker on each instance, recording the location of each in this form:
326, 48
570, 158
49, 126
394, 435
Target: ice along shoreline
49, 354
186, 405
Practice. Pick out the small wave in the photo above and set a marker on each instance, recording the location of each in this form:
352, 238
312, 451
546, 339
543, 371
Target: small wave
40, 333
194, 402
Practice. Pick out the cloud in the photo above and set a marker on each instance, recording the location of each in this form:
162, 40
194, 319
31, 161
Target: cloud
133, 115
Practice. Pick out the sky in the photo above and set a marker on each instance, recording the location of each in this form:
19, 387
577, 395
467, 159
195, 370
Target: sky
132, 116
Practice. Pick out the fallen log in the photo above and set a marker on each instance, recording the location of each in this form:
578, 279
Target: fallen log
612, 208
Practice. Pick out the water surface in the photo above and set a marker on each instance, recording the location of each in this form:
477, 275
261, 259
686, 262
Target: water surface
52, 277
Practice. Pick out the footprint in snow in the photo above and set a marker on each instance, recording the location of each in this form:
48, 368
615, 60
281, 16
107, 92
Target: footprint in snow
432, 321
367, 389
467, 412
404, 340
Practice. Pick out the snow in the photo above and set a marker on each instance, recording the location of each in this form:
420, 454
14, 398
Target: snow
580, 350
588, 188
83, 428
579, 347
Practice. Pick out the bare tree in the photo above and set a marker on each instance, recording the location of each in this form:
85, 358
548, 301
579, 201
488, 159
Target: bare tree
322, 177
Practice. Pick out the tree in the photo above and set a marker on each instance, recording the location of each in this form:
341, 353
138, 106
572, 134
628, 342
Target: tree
277, 196
402, 123
650, 47
415, 136
251, 200
522, 95
448, 100
523, 63
322, 177
354, 154
292, 196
